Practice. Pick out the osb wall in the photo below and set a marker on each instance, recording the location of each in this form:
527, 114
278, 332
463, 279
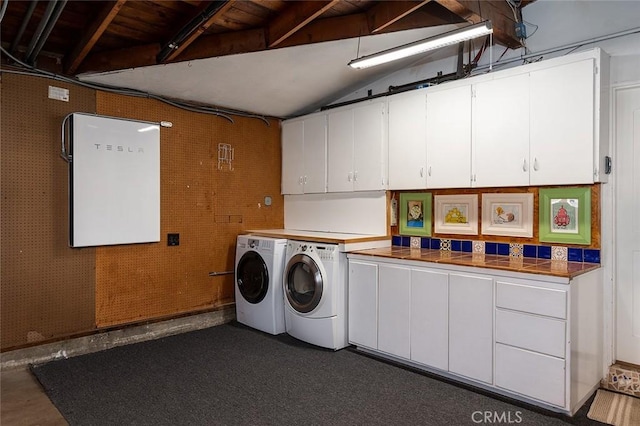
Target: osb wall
50, 291
47, 289
595, 214
206, 205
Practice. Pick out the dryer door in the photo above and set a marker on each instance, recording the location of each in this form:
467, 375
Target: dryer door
303, 283
252, 277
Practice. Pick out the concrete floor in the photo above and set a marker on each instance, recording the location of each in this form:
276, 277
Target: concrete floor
23, 402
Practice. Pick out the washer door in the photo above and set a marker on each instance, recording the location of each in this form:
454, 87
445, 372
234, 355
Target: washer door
303, 283
252, 277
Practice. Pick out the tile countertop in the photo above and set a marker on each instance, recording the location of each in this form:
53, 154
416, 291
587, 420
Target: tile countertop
346, 242
558, 268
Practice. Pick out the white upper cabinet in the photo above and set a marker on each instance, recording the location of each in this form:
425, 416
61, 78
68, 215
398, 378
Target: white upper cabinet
408, 140
357, 147
562, 124
449, 137
501, 132
304, 153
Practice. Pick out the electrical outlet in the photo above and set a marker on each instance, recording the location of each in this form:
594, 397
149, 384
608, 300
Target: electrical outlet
173, 239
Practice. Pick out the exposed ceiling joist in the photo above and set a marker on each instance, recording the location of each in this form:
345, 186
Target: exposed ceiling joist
386, 13
92, 34
200, 30
295, 16
498, 12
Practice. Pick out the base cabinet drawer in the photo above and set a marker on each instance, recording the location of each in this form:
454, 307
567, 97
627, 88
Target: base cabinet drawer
528, 298
531, 374
538, 334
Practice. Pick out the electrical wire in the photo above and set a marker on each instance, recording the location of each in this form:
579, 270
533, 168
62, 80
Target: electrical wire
3, 9
35, 72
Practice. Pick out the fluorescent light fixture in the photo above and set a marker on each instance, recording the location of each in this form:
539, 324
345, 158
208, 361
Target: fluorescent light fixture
420, 46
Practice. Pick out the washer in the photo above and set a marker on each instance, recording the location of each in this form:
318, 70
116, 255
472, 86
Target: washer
258, 275
315, 288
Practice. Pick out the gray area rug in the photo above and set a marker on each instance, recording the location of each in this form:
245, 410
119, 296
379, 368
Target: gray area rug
233, 375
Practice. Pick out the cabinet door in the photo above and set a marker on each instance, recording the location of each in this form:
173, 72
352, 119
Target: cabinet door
449, 138
363, 304
562, 124
340, 151
394, 320
370, 149
408, 140
315, 154
430, 318
292, 156
501, 132
471, 326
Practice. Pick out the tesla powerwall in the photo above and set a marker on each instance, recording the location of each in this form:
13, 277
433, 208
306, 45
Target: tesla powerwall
114, 181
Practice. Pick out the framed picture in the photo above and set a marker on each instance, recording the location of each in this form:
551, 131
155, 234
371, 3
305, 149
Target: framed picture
507, 214
415, 213
565, 215
456, 214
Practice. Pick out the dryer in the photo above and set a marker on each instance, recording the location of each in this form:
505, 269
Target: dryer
315, 289
258, 282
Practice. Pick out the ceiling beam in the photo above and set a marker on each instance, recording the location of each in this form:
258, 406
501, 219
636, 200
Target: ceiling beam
255, 40
295, 16
92, 34
131, 57
386, 13
200, 30
498, 12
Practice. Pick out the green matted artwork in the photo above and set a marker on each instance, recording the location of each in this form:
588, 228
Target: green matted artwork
565, 215
415, 213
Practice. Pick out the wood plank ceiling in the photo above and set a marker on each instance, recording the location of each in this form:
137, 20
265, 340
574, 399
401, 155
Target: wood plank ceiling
72, 37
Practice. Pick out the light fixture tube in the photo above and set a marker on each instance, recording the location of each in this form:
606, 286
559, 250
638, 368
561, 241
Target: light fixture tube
435, 42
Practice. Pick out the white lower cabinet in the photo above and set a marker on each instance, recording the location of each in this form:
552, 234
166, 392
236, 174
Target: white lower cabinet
363, 304
507, 332
471, 326
394, 320
430, 318
531, 374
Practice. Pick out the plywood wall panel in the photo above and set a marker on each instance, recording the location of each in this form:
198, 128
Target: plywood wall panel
47, 288
206, 205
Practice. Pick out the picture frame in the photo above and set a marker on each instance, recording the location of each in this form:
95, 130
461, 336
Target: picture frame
508, 214
415, 213
565, 215
456, 214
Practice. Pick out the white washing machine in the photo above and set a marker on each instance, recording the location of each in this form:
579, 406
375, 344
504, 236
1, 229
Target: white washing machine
315, 289
258, 274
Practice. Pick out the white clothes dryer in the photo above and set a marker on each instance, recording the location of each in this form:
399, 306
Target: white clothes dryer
315, 289
258, 288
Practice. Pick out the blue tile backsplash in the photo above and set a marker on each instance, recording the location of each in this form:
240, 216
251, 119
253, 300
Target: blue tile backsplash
528, 250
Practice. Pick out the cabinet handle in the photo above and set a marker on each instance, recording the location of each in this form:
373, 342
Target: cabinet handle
355, 176
349, 176
535, 164
305, 180
300, 180
429, 171
524, 164
421, 171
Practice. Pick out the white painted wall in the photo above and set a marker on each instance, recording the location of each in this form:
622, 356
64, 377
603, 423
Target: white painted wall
345, 212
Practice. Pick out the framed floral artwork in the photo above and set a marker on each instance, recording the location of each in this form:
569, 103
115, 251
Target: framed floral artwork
565, 215
507, 214
456, 214
415, 213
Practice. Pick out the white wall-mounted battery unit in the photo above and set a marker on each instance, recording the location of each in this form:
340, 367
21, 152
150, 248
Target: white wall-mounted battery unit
114, 180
